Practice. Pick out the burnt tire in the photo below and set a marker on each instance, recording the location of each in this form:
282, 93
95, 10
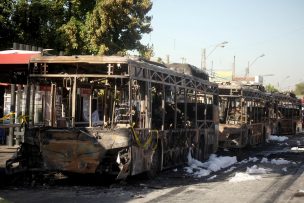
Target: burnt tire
155, 167
279, 129
240, 154
263, 142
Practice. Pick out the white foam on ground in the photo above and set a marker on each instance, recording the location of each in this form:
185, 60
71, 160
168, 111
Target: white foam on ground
212, 177
214, 163
277, 138
279, 161
230, 169
284, 169
257, 170
264, 160
297, 149
253, 159
201, 173
240, 177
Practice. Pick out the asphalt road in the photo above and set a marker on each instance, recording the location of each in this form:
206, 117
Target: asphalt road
281, 183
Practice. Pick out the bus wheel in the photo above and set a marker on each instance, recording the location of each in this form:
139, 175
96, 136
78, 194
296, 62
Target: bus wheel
245, 140
155, 163
240, 154
279, 130
249, 139
264, 136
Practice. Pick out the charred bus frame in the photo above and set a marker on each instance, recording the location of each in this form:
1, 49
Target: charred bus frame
287, 113
115, 115
243, 118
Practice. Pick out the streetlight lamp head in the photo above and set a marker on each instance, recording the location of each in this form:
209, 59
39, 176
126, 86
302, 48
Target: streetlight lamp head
267, 75
204, 55
250, 64
223, 44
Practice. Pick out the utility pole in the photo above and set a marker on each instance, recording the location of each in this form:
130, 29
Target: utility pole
211, 71
250, 64
233, 68
203, 60
205, 56
167, 59
247, 70
183, 60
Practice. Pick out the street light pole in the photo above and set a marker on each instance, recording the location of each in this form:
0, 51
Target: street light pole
285, 78
205, 56
265, 75
203, 59
250, 64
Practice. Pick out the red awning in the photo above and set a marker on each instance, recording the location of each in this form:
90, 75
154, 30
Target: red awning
4, 84
16, 58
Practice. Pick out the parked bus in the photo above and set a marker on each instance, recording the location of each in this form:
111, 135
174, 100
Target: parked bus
115, 115
243, 118
287, 112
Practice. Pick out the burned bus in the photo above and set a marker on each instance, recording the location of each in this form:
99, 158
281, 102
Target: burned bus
115, 115
287, 114
242, 115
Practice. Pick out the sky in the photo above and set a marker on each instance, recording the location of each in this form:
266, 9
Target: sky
273, 28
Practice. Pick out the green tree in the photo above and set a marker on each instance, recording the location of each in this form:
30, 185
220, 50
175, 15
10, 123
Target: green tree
71, 32
146, 51
6, 28
299, 89
79, 26
115, 26
36, 22
271, 88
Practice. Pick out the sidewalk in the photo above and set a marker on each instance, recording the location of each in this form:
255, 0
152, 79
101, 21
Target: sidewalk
294, 192
6, 152
7, 149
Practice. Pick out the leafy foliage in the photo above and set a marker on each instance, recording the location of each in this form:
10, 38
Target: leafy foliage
299, 89
5, 23
78, 26
271, 88
116, 26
